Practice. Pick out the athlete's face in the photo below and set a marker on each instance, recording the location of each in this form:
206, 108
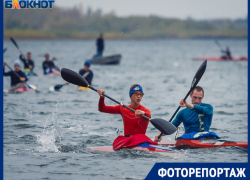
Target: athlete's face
196, 97
17, 68
86, 68
28, 56
47, 57
136, 97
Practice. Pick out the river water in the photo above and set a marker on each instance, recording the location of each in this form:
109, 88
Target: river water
47, 134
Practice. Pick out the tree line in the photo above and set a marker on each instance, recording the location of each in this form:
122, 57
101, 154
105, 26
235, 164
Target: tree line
73, 23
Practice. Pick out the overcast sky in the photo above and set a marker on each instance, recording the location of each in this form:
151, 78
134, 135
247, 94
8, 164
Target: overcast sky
196, 9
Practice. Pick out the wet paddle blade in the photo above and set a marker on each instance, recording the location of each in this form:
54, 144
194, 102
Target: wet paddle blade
199, 74
31, 86
73, 77
163, 126
58, 87
5, 49
14, 42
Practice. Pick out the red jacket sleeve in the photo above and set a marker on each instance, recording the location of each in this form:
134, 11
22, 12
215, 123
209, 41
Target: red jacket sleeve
108, 109
147, 113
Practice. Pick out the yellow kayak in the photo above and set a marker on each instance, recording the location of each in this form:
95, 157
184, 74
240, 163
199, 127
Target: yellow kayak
80, 88
26, 70
29, 73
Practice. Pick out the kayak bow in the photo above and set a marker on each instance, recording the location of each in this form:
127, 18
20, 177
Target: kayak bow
243, 58
142, 147
207, 143
20, 89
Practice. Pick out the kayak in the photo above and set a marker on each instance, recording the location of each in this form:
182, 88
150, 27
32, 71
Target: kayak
20, 89
203, 140
142, 147
80, 88
114, 59
53, 74
207, 143
243, 58
28, 73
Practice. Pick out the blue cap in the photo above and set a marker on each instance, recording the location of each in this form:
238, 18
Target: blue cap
136, 88
87, 63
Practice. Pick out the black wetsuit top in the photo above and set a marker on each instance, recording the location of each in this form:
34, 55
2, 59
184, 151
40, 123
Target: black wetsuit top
87, 75
27, 64
48, 65
14, 78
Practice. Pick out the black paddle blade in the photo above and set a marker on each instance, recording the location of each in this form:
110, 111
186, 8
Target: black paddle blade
199, 74
14, 42
163, 126
73, 77
5, 49
58, 87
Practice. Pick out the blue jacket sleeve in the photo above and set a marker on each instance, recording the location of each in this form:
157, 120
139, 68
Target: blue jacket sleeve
206, 109
178, 120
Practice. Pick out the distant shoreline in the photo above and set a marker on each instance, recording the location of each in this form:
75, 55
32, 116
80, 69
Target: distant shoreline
39, 35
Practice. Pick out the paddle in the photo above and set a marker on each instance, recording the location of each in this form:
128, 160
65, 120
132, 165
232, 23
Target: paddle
217, 43
195, 81
29, 86
57, 87
75, 78
5, 49
14, 42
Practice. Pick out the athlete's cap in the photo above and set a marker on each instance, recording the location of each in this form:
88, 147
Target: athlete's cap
87, 63
17, 63
134, 89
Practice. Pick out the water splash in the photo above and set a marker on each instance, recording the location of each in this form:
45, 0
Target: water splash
50, 139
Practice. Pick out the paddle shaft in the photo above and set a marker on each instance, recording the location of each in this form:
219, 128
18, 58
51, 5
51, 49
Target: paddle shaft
142, 115
14, 42
59, 86
216, 42
195, 81
178, 109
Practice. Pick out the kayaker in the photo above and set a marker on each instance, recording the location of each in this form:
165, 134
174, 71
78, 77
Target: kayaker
197, 116
100, 45
134, 125
226, 54
28, 62
86, 72
48, 65
15, 80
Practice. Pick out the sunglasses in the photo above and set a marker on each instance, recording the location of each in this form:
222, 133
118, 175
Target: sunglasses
138, 94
